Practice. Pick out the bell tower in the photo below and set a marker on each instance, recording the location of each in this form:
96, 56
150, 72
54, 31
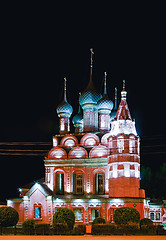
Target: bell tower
124, 160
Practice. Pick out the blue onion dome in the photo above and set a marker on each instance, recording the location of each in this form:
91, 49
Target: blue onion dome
90, 95
105, 102
64, 108
78, 118
114, 111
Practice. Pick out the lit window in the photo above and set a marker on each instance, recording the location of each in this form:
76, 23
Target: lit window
60, 183
120, 144
100, 183
157, 216
37, 212
95, 213
131, 145
78, 214
62, 124
152, 216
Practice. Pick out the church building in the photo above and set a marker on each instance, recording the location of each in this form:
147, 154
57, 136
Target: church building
94, 170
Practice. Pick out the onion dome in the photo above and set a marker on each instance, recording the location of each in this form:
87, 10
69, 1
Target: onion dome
78, 118
114, 111
89, 95
64, 109
105, 103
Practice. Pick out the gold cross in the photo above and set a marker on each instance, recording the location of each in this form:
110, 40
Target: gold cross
91, 50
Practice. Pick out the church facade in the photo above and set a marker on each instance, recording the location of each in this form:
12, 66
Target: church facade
94, 170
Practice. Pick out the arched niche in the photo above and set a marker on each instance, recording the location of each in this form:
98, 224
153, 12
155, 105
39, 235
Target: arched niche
69, 141
78, 152
98, 151
57, 153
89, 140
104, 139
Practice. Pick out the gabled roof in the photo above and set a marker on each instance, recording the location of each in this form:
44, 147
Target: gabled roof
123, 111
42, 187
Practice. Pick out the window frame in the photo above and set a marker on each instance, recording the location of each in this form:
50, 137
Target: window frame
59, 181
98, 185
120, 144
76, 185
37, 207
152, 214
96, 210
81, 212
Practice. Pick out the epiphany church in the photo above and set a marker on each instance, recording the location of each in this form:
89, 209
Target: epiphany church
94, 170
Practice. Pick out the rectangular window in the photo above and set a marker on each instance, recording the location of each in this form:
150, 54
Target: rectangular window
100, 183
60, 183
120, 144
152, 216
78, 183
157, 216
95, 213
62, 124
37, 212
78, 214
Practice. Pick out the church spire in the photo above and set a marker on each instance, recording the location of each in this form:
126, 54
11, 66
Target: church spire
91, 64
65, 80
123, 92
116, 99
105, 83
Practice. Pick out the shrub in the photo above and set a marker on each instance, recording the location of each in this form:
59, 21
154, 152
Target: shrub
79, 229
28, 227
146, 221
8, 217
131, 229
125, 215
42, 229
160, 230
60, 228
98, 220
148, 229
103, 229
64, 215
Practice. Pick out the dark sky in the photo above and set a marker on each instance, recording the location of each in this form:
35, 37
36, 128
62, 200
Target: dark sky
40, 45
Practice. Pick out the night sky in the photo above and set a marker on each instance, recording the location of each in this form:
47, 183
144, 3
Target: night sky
40, 45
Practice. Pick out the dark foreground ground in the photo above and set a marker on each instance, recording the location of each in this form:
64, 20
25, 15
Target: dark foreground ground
88, 237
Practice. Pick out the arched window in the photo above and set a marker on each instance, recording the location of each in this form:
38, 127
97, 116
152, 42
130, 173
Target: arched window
100, 183
120, 144
78, 182
59, 183
37, 211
